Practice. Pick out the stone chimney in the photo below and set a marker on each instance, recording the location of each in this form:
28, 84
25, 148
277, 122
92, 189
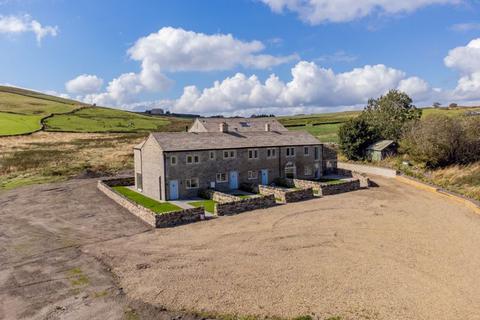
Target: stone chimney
267, 127
223, 127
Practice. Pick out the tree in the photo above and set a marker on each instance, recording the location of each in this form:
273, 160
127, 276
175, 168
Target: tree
355, 136
390, 113
437, 105
453, 105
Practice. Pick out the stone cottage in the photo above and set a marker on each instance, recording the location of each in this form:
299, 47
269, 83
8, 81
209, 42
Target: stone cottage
176, 165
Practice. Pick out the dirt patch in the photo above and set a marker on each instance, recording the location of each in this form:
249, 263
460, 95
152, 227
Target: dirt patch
392, 252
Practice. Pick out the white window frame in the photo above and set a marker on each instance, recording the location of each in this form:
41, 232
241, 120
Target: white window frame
173, 163
307, 153
290, 152
188, 183
252, 175
210, 153
231, 154
273, 153
193, 156
219, 179
253, 153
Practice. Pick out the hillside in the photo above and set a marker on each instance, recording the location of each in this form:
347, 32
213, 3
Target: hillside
325, 126
24, 111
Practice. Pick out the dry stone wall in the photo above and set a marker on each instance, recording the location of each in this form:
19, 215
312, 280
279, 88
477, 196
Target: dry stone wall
248, 204
168, 219
325, 189
286, 195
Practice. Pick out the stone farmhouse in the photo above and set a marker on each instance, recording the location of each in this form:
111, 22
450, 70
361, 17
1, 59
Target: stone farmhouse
223, 154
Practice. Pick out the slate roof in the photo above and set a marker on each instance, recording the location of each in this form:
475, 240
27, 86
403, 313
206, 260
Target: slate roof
380, 145
241, 124
184, 141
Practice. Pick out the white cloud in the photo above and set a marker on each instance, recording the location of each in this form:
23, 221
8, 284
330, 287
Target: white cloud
464, 27
320, 11
465, 59
22, 24
312, 87
84, 84
175, 50
338, 56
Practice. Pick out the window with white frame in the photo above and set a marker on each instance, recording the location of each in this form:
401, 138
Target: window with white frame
290, 152
253, 154
192, 183
306, 151
193, 158
252, 175
211, 155
307, 171
222, 177
271, 153
229, 154
173, 160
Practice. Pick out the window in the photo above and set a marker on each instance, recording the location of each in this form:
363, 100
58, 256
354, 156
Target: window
192, 183
193, 159
291, 152
229, 154
173, 160
271, 153
316, 153
307, 171
253, 154
252, 175
139, 182
211, 155
306, 151
222, 177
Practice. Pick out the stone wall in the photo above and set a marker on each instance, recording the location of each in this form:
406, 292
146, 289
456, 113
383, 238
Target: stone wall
168, 219
325, 189
286, 195
364, 180
218, 196
330, 189
248, 204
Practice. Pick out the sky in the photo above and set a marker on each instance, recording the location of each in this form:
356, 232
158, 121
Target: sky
243, 57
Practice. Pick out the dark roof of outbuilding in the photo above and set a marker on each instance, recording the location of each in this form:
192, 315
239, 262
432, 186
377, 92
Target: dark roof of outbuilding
184, 141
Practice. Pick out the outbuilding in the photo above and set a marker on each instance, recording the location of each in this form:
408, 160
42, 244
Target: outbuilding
381, 149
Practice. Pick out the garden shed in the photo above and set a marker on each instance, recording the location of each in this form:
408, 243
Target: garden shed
381, 149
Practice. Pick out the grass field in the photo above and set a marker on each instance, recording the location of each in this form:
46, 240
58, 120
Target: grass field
96, 119
155, 206
21, 111
11, 123
325, 126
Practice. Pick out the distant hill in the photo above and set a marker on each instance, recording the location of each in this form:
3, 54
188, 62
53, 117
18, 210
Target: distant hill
24, 111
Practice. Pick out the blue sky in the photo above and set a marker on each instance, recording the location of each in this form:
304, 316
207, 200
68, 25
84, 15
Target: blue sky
323, 47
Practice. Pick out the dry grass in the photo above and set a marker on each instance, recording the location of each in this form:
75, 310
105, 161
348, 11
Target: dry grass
46, 156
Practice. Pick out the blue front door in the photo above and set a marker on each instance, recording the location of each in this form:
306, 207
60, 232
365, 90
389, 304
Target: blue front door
173, 184
264, 176
233, 179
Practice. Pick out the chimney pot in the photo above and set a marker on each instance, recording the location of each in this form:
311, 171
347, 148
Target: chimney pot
223, 127
267, 126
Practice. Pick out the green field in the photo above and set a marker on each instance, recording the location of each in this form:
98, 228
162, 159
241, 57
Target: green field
155, 206
325, 126
95, 119
21, 112
11, 123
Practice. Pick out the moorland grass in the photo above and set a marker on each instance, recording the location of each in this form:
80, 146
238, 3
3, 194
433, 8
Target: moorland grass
155, 206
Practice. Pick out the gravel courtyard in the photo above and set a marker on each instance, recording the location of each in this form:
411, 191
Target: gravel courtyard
392, 252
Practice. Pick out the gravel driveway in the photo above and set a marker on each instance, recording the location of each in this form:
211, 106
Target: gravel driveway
392, 252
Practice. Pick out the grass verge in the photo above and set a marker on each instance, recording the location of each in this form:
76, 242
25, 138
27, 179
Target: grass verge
208, 205
155, 206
